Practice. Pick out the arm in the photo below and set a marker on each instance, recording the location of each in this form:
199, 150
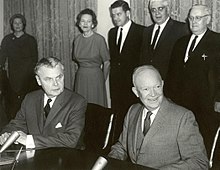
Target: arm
191, 146
119, 149
104, 53
70, 135
106, 69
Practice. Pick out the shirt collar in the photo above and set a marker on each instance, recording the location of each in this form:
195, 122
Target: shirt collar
162, 25
126, 26
46, 98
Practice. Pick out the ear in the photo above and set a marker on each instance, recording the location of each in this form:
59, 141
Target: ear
128, 14
135, 91
38, 80
208, 19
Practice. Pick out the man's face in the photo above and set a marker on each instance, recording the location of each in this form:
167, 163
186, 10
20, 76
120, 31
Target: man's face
119, 16
51, 80
18, 25
159, 12
149, 88
198, 21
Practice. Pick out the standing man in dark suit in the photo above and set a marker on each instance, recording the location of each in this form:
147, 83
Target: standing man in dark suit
124, 53
52, 117
158, 133
160, 37
192, 74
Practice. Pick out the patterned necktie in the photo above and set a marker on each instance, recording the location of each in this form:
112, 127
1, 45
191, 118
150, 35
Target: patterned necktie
147, 122
47, 107
153, 45
119, 40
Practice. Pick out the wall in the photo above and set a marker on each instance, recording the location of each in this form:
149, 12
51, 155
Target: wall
1, 19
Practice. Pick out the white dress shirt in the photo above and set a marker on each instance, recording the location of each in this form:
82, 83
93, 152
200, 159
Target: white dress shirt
125, 30
190, 42
152, 117
162, 26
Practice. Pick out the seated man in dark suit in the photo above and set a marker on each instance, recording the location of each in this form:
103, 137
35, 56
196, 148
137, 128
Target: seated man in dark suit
158, 133
57, 123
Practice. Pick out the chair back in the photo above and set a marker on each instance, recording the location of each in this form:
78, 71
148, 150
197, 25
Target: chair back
214, 147
98, 128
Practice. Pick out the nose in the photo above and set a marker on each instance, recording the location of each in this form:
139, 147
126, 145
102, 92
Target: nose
152, 92
55, 82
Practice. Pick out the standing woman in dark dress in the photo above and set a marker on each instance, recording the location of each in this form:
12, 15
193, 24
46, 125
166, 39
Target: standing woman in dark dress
18, 55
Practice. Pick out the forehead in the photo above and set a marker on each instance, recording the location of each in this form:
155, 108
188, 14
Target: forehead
155, 4
45, 71
197, 11
86, 16
147, 78
117, 10
17, 20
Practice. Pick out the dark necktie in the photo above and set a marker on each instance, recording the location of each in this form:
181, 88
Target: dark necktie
119, 40
147, 123
155, 38
192, 46
47, 107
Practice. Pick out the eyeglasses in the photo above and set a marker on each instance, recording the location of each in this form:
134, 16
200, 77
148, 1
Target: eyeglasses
159, 9
197, 18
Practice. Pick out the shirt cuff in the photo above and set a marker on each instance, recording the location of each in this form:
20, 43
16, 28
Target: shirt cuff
30, 142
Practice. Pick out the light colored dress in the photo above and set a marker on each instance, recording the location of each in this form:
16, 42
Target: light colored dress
90, 53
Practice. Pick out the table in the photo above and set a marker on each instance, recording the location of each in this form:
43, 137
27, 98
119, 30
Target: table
66, 158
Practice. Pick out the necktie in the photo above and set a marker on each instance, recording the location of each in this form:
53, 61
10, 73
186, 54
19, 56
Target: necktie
153, 45
192, 46
119, 40
47, 107
147, 122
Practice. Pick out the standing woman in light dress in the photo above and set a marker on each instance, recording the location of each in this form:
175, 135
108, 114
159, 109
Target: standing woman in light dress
91, 55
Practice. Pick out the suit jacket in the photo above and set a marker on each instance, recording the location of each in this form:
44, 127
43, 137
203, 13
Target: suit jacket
123, 64
172, 142
193, 84
63, 126
160, 57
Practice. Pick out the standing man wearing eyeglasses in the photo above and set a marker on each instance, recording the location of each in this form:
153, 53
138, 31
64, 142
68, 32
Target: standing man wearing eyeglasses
160, 37
193, 72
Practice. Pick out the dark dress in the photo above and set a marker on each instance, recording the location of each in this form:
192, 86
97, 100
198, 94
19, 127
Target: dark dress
22, 55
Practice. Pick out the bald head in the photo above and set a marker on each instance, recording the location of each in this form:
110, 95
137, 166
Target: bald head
202, 8
147, 72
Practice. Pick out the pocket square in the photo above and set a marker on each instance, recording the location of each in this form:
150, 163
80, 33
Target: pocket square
59, 125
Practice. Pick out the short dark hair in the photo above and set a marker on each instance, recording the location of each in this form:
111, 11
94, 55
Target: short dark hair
121, 3
89, 12
23, 20
48, 62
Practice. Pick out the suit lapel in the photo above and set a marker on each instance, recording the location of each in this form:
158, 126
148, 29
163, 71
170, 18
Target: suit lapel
55, 108
128, 37
156, 125
165, 33
40, 111
138, 137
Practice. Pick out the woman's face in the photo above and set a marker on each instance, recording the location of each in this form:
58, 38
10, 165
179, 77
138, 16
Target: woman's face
86, 23
18, 25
